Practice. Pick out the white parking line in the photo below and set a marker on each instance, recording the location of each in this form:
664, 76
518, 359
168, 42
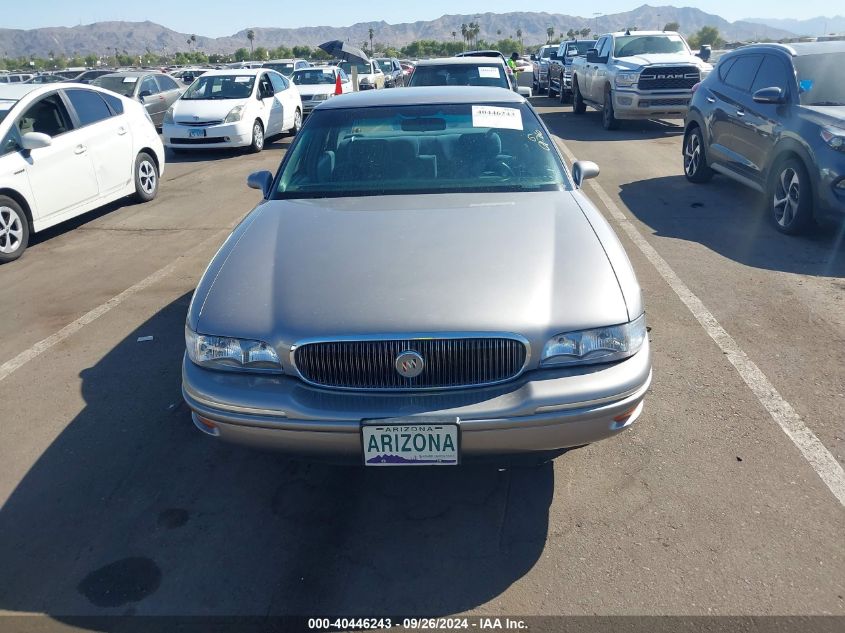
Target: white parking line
11, 366
822, 461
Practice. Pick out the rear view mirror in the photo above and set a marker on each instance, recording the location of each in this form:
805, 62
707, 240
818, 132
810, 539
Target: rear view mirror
584, 170
771, 95
261, 180
35, 140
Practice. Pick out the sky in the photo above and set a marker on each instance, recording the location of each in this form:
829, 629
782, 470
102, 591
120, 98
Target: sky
215, 18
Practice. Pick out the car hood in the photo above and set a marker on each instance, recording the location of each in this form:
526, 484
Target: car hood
826, 115
204, 109
638, 61
528, 263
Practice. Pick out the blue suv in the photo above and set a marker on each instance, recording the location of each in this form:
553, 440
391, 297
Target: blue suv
772, 117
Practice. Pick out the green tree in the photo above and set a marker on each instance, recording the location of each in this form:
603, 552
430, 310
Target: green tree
570, 34
706, 35
585, 32
302, 51
671, 26
371, 32
250, 35
464, 31
261, 53
90, 60
241, 55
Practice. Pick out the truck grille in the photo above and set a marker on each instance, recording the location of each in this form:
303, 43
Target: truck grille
449, 363
669, 78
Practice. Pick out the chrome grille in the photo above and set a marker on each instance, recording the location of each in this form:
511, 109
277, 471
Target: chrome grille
450, 363
199, 123
669, 78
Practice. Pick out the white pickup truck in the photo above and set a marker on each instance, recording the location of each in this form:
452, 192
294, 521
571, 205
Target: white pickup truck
637, 75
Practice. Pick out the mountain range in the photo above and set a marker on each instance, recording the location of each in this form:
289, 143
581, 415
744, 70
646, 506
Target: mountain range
103, 38
813, 26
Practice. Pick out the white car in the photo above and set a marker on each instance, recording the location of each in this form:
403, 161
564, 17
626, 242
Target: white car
67, 149
316, 85
370, 76
233, 108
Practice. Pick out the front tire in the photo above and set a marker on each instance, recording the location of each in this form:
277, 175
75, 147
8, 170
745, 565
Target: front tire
146, 178
608, 116
578, 105
297, 122
257, 137
14, 230
696, 168
790, 196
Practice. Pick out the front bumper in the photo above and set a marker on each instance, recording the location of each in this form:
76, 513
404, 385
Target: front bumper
630, 104
216, 136
541, 411
831, 199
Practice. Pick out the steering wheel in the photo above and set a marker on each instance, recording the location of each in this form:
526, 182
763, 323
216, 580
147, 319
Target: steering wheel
501, 168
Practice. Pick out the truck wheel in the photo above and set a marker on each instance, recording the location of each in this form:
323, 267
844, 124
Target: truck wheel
578, 105
608, 117
535, 85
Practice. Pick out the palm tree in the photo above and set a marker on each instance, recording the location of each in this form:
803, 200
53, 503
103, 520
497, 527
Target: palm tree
474, 30
550, 32
464, 33
250, 35
193, 40
585, 32
519, 37
371, 33
454, 34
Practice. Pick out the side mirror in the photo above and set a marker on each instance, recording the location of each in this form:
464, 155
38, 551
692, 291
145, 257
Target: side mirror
592, 56
524, 91
584, 170
144, 94
533, 57
35, 140
261, 180
771, 95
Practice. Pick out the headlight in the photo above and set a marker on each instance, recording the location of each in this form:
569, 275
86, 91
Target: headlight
601, 345
234, 115
627, 79
320, 97
168, 116
834, 137
223, 352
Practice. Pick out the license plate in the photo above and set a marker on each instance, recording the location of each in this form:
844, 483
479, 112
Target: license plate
411, 442
196, 133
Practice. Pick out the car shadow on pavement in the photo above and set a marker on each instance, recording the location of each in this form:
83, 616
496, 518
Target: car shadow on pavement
587, 127
131, 510
732, 220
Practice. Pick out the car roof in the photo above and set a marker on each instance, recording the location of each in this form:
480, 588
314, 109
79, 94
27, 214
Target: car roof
623, 33
19, 91
465, 61
288, 60
325, 69
236, 71
132, 73
799, 48
424, 95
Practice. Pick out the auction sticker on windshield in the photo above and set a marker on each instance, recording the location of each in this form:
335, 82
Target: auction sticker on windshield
495, 116
410, 442
489, 72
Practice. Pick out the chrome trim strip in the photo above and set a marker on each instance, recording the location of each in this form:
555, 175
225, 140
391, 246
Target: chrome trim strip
414, 336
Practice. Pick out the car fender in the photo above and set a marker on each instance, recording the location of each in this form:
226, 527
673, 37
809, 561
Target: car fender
794, 144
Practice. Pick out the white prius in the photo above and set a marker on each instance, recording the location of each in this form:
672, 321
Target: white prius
233, 108
67, 149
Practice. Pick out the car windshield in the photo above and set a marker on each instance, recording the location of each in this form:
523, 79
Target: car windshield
385, 64
313, 77
546, 51
491, 75
121, 85
417, 149
285, 69
630, 45
363, 69
220, 87
579, 48
6, 106
820, 79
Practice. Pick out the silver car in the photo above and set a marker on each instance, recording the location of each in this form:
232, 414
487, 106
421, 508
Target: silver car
156, 91
423, 283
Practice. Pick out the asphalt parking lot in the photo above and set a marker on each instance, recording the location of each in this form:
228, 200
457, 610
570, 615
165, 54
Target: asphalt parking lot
112, 503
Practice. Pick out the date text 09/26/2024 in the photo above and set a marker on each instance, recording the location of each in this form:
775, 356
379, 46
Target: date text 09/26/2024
480, 623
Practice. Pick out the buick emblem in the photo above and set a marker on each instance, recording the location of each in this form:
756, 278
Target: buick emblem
409, 364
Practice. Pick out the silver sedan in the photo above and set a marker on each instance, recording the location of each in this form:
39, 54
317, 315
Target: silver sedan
423, 284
